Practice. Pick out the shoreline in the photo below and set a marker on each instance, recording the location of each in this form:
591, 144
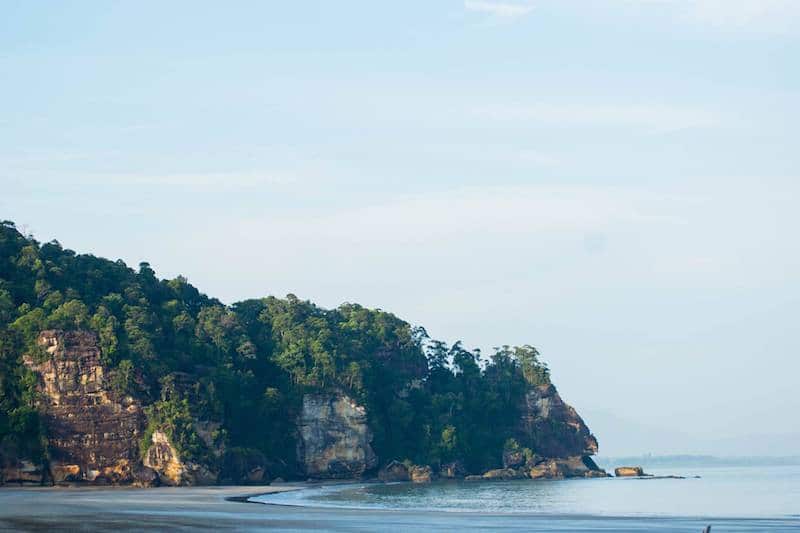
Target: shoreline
219, 508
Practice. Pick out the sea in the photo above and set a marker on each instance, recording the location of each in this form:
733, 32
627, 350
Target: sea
729, 498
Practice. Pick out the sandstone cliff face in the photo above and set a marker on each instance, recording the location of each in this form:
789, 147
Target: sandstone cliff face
22, 471
92, 435
551, 427
334, 438
162, 457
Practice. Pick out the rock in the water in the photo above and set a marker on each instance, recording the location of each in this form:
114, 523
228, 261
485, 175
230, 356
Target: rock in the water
394, 471
93, 435
473, 478
335, 441
629, 471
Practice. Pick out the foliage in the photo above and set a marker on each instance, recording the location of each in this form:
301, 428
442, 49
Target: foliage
247, 366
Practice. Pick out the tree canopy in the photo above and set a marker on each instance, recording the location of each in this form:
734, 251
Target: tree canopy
247, 365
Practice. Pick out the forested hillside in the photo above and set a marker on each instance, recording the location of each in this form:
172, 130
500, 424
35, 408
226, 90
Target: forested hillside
247, 365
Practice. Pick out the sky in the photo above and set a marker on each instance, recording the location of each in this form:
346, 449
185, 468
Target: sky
612, 181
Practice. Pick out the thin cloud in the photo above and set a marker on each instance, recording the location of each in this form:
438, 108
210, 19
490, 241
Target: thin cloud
657, 118
191, 181
499, 9
754, 15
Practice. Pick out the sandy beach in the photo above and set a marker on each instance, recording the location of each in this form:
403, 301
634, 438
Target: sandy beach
226, 508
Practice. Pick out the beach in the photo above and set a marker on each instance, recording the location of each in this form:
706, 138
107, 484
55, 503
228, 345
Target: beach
227, 508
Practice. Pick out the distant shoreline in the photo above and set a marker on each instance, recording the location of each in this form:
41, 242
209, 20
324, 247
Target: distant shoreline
696, 460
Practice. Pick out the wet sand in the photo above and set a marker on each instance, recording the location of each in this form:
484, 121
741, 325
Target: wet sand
226, 508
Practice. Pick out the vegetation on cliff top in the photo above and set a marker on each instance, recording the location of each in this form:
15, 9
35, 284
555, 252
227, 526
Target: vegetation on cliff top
247, 365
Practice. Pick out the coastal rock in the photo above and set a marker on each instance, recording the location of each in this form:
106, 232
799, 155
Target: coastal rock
21, 472
243, 466
552, 428
93, 434
421, 474
144, 476
503, 474
629, 471
335, 441
393, 472
569, 467
580, 466
473, 478
452, 470
163, 458
513, 458
549, 469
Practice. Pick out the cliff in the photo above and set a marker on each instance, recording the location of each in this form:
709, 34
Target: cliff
335, 440
552, 428
172, 386
92, 435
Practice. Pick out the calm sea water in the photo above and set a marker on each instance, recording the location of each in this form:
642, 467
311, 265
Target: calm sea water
732, 492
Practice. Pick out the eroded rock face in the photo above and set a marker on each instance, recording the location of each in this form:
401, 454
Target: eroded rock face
629, 471
513, 458
334, 438
393, 472
421, 474
452, 470
22, 472
93, 436
569, 467
551, 427
503, 474
163, 458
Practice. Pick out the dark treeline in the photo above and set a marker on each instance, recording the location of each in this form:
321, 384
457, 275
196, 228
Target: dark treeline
247, 365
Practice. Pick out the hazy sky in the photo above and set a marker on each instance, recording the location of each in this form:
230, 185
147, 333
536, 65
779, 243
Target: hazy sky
613, 181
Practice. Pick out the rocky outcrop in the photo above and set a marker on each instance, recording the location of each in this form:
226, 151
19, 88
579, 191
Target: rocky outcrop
92, 434
552, 428
452, 470
244, 466
393, 472
163, 458
503, 474
421, 474
629, 471
513, 458
21, 471
570, 467
558, 442
334, 439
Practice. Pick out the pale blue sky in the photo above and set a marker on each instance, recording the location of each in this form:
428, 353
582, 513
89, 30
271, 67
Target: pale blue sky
613, 181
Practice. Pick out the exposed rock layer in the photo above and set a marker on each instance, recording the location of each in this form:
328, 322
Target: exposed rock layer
93, 435
552, 428
334, 438
629, 471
